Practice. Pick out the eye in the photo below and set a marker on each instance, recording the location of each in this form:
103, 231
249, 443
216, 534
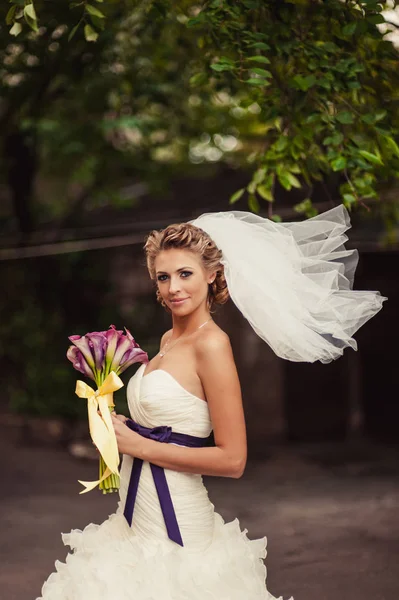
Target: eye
186, 274
162, 277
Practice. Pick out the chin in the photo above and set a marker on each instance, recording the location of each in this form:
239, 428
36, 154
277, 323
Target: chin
181, 310
184, 309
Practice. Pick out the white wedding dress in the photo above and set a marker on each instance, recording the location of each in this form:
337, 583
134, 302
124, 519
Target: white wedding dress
114, 561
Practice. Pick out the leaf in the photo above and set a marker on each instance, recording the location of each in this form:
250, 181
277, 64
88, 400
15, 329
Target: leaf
259, 81
334, 140
392, 145
265, 193
236, 196
196, 20
276, 218
259, 175
376, 19
228, 61
281, 143
369, 118
328, 46
306, 207
10, 15
73, 31
251, 187
372, 158
222, 66
302, 206
379, 115
90, 34
198, 79
284, 180
16, 29
350, 198
338, 164
263, 72
259, 59
345, 117
294, 181
30, 16
253, 203
304, 83
260, 46
349, 29
29, 11
324, 83
94, 11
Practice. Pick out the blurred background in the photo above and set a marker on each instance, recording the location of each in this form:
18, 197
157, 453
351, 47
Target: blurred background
119, 118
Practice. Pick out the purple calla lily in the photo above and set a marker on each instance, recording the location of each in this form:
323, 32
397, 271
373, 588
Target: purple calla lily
82, 342
79, 362
97, 344
123, 346
125, 353
130, 357
131, 338
113, 335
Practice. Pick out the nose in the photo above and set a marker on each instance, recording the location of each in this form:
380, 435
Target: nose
174, 285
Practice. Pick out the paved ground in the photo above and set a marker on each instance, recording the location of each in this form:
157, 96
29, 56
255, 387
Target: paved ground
331, 515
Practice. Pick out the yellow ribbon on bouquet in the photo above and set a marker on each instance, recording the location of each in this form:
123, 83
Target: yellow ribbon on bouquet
101, 429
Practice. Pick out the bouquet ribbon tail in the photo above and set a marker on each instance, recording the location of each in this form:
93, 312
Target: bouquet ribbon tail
90, 485
101, 429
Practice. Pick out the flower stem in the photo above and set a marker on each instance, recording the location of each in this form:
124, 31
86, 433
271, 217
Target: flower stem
112, 482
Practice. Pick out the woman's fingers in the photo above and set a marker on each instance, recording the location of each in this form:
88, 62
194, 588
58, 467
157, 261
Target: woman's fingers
121, 418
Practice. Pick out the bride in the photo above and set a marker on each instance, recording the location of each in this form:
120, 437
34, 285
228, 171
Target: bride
293, 282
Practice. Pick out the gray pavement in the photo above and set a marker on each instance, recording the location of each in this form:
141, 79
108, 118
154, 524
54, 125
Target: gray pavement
330, 513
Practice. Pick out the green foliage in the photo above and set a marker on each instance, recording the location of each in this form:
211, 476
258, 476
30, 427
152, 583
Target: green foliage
23, 14
328, 99
33, 343
308, 91
47, 300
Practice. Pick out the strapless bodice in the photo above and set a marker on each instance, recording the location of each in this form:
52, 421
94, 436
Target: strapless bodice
158, 399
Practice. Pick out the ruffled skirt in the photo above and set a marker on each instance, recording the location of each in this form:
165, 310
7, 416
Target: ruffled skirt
110, 562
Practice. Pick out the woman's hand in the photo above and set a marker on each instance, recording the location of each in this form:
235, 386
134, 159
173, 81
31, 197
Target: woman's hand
129, 442
121, 418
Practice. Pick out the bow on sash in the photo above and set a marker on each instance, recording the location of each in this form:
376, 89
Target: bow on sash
101, 429
163, 433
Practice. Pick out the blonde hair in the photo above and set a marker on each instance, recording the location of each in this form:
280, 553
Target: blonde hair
189, 237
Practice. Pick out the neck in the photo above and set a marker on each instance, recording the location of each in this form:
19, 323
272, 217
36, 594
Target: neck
189, 323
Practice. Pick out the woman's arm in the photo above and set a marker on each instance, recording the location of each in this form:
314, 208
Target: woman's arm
218, 374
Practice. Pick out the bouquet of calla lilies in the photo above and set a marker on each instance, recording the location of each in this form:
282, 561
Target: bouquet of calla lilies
103, 356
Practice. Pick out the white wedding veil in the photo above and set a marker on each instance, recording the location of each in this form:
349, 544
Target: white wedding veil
293, 281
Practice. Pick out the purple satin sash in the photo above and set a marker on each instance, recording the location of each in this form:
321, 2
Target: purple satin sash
163, 433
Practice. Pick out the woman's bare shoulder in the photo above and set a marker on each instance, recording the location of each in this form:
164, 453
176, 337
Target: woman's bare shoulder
213, 340
215, 364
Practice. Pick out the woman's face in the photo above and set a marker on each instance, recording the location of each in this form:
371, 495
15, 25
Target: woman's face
182, 280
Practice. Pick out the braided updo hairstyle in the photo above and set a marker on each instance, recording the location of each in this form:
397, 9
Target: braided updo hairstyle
189, 237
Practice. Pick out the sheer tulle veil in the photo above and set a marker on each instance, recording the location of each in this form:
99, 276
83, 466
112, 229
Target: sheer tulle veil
293, 281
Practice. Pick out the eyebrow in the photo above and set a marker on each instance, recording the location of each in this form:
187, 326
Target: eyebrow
177, 271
